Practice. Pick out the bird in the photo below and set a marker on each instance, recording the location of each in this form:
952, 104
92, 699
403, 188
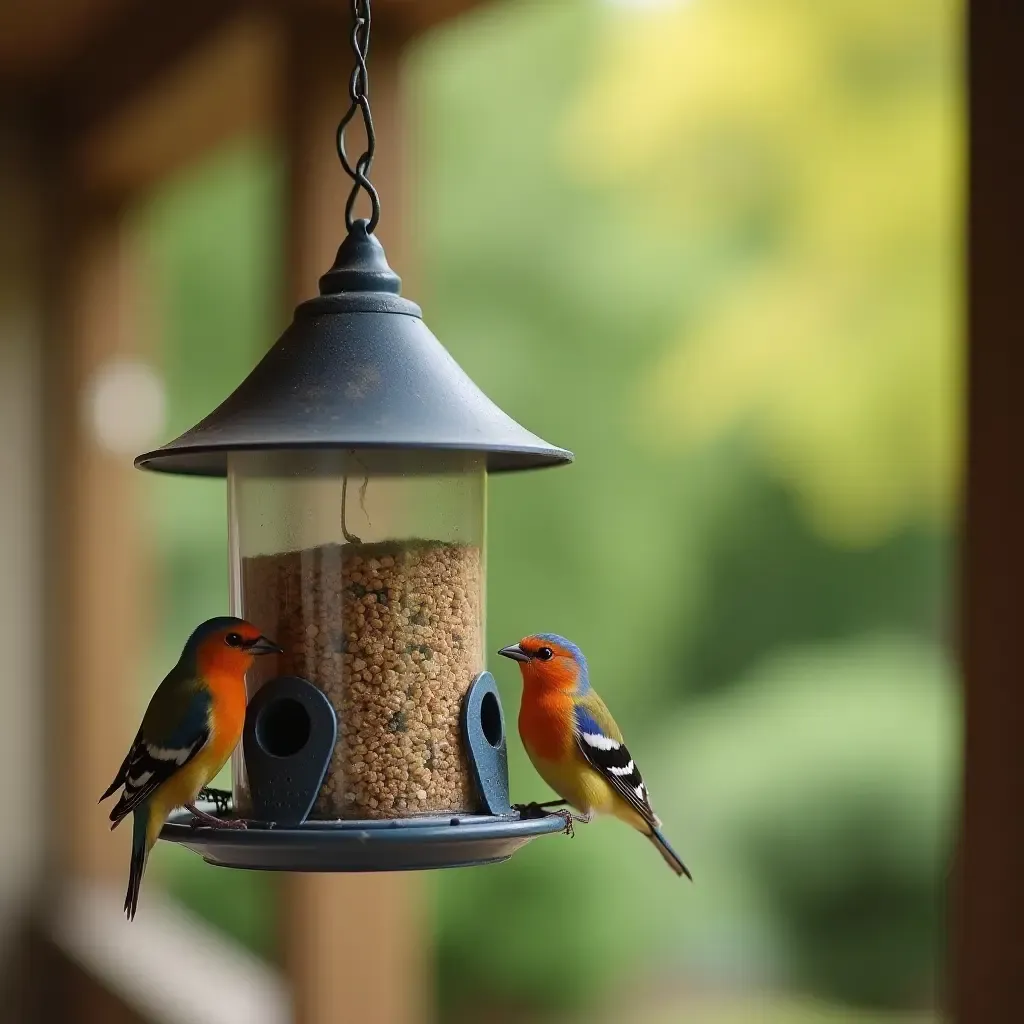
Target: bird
192, 724
575, 745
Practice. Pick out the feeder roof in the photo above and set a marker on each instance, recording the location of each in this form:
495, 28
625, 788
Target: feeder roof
356, 369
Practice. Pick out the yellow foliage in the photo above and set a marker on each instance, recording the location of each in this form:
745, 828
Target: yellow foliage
820, 142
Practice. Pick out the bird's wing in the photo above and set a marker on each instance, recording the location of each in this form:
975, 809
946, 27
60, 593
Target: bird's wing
122, 772
600, 742
174, 731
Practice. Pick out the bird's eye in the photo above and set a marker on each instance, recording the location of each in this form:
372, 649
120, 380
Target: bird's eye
544, 653
234, 640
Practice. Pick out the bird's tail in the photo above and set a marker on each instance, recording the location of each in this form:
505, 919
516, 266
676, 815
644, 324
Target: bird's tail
672, 858
141, 845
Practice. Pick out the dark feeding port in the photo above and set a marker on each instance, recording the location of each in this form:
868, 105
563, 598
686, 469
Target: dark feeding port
284, 727
483, 727
491, 719
290, 732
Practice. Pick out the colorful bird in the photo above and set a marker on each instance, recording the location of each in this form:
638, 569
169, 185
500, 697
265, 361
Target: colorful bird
574, 743
188, 732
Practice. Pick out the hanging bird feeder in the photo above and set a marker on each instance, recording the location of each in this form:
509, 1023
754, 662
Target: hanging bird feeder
356, 455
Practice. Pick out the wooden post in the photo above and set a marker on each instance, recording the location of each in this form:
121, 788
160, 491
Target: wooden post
99, 572
24, 748
96, 623
354, 945
988, 934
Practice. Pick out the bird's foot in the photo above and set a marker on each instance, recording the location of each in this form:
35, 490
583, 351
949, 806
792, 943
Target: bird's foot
542, 810
569, 818
221, 823
201, 818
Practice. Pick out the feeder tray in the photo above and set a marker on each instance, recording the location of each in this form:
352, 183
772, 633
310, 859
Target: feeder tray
289, 736
407, 844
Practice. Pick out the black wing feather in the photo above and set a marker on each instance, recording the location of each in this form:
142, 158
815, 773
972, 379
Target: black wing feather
122, 773
146, 770
613, 760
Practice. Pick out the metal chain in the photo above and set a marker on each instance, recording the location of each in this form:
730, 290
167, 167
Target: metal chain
358, 90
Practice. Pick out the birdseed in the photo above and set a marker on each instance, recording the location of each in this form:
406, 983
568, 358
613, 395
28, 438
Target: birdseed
392, 634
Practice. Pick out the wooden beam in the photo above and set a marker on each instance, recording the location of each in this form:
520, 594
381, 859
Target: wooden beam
118, 57
354, 945
24, 739
147, 89
988, 941
90, 55
221, 87
35, 39
401, 20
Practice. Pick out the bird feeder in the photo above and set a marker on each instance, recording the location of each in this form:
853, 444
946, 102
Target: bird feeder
356, 455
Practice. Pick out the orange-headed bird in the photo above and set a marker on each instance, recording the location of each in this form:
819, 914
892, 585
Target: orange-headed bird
191, 726
574, 743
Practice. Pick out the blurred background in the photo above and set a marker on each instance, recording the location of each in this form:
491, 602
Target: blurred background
714, 248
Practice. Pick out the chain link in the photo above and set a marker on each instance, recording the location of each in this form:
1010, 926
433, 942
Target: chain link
358, 90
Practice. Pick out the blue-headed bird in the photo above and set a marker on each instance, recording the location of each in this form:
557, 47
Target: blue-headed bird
190, 728
574, 743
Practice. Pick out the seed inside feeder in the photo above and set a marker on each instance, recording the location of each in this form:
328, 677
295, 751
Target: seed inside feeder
391, 633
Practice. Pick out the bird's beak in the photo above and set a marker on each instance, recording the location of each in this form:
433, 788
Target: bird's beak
515, 652
261, 645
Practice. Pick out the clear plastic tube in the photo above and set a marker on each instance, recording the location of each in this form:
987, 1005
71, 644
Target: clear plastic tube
368, 569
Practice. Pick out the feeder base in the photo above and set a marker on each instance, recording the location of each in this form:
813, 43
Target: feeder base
407, 844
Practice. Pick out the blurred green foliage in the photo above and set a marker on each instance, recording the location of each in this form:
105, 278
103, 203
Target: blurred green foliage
816, 148
711, 247
838, 830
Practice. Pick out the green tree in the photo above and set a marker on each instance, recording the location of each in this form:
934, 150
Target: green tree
813, 150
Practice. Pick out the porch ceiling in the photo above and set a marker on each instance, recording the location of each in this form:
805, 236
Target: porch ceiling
38, 38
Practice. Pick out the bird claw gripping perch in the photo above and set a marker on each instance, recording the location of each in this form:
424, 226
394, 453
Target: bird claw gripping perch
536, 810
569, 817
201, 819
222, 801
